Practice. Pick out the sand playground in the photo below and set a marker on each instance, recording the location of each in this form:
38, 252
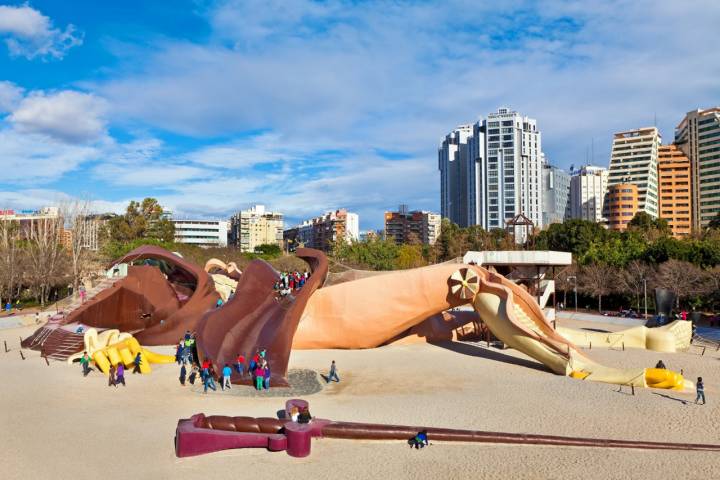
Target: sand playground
58, 425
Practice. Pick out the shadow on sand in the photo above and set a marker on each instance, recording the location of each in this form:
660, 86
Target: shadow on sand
475, 351
684, 402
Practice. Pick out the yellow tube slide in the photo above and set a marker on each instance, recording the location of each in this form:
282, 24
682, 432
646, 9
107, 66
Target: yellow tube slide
513, 316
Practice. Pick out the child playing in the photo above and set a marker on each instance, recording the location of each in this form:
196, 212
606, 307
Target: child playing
700, 387
120, 374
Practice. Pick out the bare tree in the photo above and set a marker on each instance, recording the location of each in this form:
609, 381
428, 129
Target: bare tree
83, 231
566, 280
633, 279
682, 278
598, 280
711, 285
10, 253
45, 254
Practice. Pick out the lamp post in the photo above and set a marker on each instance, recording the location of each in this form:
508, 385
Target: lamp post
574, 278
645, 294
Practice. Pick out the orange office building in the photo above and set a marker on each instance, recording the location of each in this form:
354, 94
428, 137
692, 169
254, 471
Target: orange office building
621, 205
674, 189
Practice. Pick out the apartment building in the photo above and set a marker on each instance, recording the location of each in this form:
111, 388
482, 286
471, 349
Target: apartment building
491, 171
417, 226
320, 232
555, 194
254, 227
634, 161
698, 136
622, 203
203, 233
674, 189
588, 187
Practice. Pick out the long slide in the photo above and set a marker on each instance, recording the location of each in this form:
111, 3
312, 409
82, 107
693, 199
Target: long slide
515, 318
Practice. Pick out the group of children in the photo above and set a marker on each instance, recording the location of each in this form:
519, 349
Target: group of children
116, 374
185, 351
258, 368
290, 282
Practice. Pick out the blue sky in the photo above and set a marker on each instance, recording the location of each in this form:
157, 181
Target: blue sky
212, 106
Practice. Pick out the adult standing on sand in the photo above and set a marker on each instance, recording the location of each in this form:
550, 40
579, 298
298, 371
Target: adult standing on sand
332, 374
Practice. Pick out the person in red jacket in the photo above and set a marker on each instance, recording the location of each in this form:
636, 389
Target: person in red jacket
239, 364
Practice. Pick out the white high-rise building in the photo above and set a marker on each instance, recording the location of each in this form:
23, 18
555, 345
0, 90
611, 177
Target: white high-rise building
698, 136
491, 171
634, 160
588, 187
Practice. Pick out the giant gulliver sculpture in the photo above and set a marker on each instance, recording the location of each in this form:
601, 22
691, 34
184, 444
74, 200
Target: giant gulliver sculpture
162, 299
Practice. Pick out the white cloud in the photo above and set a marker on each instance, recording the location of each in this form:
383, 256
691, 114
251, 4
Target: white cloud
157, 175
66, 115
399, 76
30, 199
31, 34
37, 198
252, 150
354, 78
10, 95
32, 159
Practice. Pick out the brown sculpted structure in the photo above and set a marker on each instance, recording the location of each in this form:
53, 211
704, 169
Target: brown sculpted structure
166, 296
257, 318
194, 289
156, 302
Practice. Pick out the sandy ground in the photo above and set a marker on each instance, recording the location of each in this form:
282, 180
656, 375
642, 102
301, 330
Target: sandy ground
57, 424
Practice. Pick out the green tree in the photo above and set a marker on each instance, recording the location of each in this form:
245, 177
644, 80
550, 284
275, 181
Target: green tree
452, 242
271, 250
409, 256
374, 254
575, 236
714, 223
144, 219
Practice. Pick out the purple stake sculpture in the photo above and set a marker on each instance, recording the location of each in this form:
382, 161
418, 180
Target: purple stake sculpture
201, 434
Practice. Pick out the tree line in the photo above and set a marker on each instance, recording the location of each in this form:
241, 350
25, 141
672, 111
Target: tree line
38, 257
613, 268
49, 257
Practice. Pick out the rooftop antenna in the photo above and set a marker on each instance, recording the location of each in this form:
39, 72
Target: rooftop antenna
592, 146
655, 119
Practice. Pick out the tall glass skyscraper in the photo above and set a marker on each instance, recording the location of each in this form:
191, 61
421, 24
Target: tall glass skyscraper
491, 171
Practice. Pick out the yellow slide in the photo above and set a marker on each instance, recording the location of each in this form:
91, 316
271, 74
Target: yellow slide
515, 318
671, 338
112, 347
